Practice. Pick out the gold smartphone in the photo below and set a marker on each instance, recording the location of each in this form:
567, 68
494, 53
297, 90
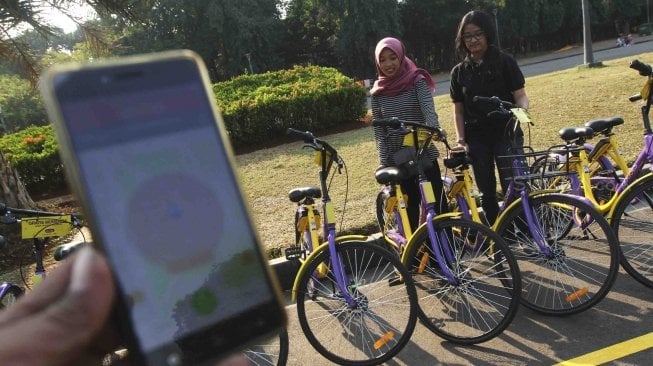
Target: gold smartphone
146, 152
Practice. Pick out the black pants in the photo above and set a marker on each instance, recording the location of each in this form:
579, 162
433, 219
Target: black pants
485, 150
410, 187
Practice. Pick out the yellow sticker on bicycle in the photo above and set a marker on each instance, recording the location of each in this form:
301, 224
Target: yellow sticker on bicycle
43, 227
409, 139
522, 115
646, 89
318, 157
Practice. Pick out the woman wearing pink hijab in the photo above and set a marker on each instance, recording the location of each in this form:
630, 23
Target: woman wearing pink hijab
404, 91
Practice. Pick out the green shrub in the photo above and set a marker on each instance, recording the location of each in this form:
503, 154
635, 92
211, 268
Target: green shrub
33, 152
258, 107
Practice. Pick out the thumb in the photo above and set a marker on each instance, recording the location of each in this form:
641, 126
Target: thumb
70, 323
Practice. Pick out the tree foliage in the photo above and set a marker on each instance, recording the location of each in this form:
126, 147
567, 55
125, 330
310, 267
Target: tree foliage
228, 34
20, 105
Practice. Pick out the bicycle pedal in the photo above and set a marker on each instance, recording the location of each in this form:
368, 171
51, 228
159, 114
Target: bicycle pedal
395, 281
293, 253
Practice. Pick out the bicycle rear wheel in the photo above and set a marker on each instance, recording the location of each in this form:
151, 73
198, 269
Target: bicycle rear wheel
632, 223
273, 352
485, 297
582, 263
381, 322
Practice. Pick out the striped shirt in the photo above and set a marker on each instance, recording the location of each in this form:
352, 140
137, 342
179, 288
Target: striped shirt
413, 105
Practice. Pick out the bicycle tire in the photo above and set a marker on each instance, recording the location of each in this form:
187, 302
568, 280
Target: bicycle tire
584, 259
272, 352
383, 323
486, 297
632, 223
9, 298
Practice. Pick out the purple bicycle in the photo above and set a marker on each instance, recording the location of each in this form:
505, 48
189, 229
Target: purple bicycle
356, 302
623, 194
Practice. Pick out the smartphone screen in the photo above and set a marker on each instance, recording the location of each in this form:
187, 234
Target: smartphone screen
166, 207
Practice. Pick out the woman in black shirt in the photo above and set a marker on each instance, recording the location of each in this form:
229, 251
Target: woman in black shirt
485, 71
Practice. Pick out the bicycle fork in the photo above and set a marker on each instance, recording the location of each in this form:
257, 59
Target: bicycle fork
534, 225
439, 241
336, 260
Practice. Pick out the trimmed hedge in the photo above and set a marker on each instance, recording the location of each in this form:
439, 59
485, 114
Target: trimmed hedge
34, 153
255, 108
258, 107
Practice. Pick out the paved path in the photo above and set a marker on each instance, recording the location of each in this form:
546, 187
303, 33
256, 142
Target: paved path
566, 58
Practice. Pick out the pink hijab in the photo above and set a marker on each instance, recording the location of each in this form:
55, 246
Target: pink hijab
407, 75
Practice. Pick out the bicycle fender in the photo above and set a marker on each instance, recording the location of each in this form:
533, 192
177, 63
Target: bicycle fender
352, 237
639, 180
322, 247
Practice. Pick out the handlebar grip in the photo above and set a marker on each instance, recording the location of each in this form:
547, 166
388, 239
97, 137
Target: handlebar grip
305, 136
644, 69
481, 99
386, 122
493, 100
634, 98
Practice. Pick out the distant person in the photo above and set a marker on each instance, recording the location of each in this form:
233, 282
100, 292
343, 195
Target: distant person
485, 71
68, 316
404, 91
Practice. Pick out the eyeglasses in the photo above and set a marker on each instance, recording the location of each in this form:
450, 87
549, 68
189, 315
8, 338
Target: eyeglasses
467, 37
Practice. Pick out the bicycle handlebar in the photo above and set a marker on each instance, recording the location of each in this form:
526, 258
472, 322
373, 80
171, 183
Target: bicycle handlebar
498, 103
644, 69
7, 214
304, 136
399, 123
313, 141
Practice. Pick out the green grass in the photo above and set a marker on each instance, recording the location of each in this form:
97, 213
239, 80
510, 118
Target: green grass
561, 99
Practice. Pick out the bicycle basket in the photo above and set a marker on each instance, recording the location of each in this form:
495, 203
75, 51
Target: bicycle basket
539, 169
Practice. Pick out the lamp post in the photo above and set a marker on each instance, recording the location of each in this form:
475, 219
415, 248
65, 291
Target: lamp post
495, 11
587, 36
249, 61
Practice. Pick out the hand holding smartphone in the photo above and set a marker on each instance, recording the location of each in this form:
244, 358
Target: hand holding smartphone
146, 152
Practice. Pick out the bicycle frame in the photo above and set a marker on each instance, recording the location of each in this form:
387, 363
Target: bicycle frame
326, 156
461, 188
401, 239
606, 151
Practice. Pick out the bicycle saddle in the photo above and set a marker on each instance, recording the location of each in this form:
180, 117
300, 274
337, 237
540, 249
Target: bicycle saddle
298, 194
572, 133
389, 175
457, 159
604, 125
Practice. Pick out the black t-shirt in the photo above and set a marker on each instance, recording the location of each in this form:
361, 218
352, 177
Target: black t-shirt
498, 75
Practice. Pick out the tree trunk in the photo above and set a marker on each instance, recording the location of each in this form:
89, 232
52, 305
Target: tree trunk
14, 193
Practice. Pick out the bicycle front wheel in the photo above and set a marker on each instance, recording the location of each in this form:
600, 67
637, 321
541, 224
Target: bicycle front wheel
576, 261
632, 222
483, 298
9, 297
274, 352
380, 322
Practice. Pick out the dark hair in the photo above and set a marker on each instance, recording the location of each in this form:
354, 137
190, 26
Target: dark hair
482, 20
